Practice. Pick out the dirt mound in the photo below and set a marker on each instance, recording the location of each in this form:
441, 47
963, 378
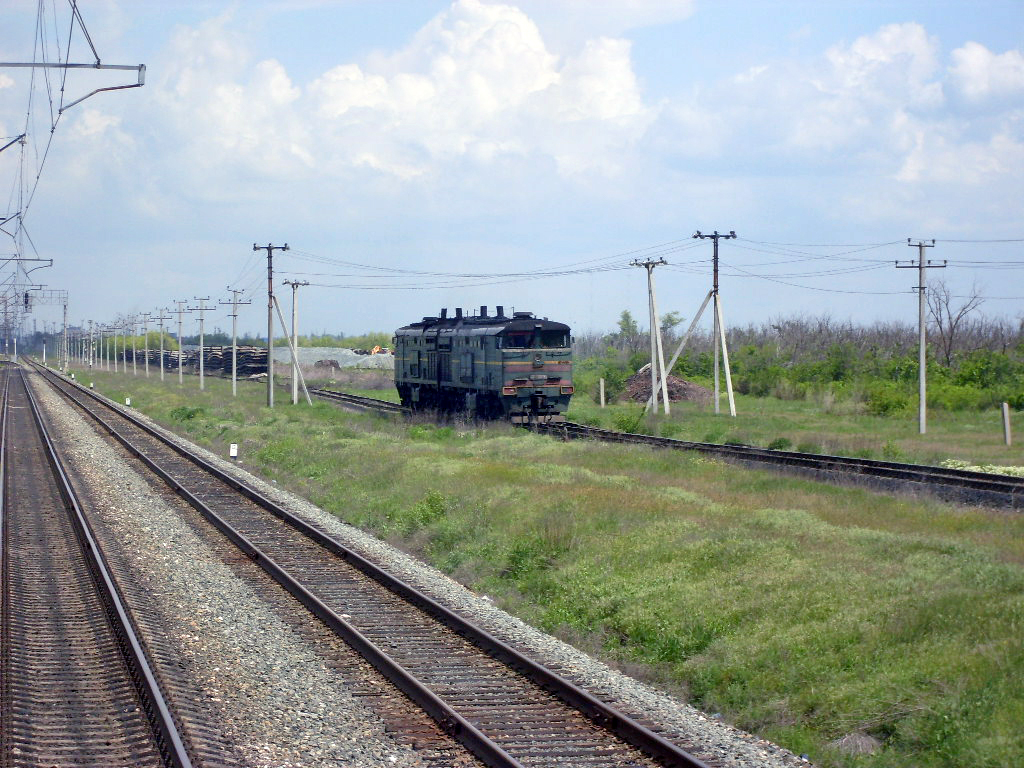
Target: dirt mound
638, 388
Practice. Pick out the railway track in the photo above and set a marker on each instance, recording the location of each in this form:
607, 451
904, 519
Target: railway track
77, 687
950, 484
359, 402
505, 708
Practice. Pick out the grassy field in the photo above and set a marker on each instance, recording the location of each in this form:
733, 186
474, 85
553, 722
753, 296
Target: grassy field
810, 426
815, 616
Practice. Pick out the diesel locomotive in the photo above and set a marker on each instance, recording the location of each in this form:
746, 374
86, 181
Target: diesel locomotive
486, 366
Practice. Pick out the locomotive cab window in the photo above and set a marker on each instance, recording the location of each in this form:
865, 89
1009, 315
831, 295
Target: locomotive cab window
553, 339
517, 340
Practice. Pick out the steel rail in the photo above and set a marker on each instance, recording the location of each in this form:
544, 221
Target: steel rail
597, 711
1004, 488
174, 749
359, 401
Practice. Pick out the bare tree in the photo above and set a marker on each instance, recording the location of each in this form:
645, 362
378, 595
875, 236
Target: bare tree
949, 318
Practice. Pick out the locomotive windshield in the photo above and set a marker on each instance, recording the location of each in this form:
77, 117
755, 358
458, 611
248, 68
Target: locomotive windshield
531, 339
554, 339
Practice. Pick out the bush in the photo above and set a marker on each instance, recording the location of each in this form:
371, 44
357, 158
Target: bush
780, 444
628, 421
959, 397
186, 413
884, 398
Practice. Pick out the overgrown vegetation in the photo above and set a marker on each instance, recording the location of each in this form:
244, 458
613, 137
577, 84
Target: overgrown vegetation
973, 364
808, 614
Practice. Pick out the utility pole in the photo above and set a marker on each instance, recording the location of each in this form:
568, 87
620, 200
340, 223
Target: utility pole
270, 315
657, 354
202, 319
67, 351
234, 336
161, 319
181, 345
922, 375
295, 337
145, 341
719, 327
135, 365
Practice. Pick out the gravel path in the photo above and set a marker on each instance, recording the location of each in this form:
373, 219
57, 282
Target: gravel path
715, 742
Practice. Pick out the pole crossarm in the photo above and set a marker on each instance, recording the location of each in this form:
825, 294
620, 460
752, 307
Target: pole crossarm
140, 68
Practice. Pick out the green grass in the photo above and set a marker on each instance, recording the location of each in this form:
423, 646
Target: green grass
800, 611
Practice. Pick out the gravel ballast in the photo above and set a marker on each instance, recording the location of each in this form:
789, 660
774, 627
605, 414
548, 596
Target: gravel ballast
277, 699
170, 548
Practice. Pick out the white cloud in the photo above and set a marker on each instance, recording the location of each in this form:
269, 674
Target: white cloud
980, 74
568, 24
477, 84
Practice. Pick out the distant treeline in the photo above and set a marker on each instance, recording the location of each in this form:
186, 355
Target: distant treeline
975, 362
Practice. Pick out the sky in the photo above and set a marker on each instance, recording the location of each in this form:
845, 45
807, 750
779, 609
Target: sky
419, 154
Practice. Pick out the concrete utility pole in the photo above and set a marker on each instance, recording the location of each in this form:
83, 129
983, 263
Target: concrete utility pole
234, 336
302, 381
135, 368
295, 337
922, 351
161, 319
719, 327
270, 315
66, 350
145, 342
181, 345
202, 319
657, 353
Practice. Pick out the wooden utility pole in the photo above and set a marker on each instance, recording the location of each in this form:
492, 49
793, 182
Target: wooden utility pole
202, 319
922, 350
719, 326
234, 337
270, 315
295, 337
657, 353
